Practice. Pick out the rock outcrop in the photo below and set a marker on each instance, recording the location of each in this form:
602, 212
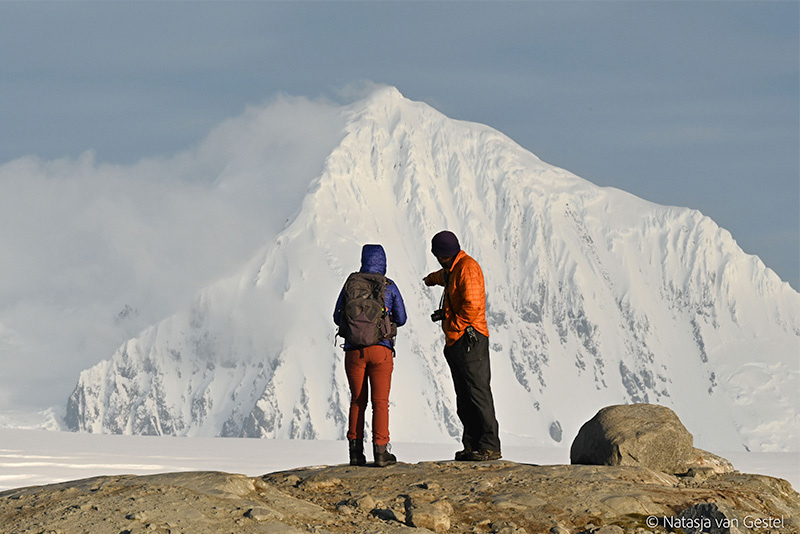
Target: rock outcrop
646, 435
498, 497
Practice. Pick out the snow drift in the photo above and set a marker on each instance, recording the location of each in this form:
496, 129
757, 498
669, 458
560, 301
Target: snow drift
594, 297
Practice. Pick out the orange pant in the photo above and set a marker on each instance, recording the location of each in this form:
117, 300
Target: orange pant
375, 363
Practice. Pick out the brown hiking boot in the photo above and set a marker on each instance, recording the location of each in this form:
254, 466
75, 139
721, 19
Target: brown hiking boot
382, 455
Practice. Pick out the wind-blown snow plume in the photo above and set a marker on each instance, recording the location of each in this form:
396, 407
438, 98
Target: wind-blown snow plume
594, 297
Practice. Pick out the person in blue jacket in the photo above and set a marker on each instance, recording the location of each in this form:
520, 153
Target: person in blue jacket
373, 363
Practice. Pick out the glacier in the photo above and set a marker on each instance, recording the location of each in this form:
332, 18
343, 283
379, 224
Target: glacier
594, 297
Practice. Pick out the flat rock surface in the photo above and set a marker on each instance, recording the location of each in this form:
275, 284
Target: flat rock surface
496, 497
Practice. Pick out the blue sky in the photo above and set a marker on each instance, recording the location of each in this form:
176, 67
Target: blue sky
682, 103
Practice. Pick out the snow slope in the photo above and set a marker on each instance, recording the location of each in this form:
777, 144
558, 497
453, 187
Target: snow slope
594, 297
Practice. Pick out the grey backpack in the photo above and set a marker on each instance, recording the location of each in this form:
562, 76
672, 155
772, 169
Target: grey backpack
365, 320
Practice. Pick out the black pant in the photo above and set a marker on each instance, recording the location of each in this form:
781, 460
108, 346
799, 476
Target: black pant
469, 363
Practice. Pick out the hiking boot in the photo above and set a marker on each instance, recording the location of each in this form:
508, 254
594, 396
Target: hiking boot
483, 455
463, 456
382, 455
357, 452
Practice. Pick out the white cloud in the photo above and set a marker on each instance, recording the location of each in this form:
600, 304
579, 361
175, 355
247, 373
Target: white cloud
92, 253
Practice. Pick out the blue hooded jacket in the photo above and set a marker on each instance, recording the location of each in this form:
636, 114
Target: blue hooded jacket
373, 260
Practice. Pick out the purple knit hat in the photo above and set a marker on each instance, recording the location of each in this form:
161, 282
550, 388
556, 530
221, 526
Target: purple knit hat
445, 244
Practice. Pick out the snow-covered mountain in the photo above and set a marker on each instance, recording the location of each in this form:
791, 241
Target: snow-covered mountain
594, 297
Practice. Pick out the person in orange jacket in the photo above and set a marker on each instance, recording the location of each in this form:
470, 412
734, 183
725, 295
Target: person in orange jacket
463, 316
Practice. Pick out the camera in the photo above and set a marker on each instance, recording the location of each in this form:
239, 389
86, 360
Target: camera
437, 315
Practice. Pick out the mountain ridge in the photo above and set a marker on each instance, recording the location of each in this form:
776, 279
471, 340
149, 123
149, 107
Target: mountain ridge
589, 290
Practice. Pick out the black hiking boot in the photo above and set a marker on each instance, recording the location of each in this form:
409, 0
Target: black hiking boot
382, 455
357, 452
463, 456
483, 455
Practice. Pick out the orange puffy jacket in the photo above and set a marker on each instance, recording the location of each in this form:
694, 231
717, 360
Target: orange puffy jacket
465, 298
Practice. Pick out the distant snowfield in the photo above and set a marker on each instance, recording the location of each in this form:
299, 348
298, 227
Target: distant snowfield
36, 457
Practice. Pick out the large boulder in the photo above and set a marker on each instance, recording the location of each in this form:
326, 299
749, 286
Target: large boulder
646, 435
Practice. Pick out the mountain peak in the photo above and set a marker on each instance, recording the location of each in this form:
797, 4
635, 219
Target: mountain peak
591, 292
386, 94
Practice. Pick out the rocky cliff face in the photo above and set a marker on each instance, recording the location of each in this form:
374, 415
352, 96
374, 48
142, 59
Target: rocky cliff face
592, 294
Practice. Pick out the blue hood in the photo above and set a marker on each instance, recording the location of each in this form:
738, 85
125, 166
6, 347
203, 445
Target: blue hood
373, 259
